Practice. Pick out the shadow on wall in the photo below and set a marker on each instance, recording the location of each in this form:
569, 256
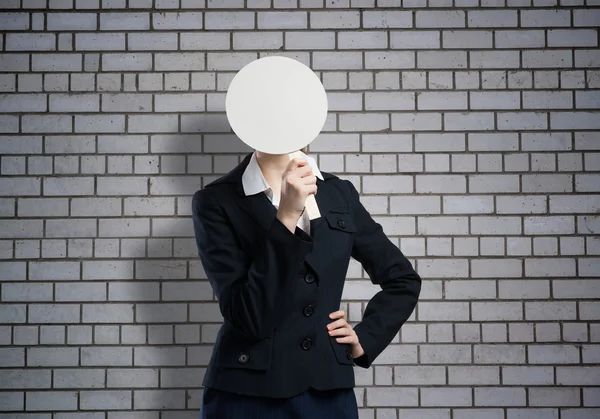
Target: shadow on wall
176, 302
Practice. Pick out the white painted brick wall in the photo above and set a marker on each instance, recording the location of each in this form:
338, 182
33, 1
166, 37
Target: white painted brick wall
470, 128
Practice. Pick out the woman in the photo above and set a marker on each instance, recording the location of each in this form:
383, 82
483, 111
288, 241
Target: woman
285, 349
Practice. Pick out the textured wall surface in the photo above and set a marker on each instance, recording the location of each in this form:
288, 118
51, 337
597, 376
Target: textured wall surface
470, 127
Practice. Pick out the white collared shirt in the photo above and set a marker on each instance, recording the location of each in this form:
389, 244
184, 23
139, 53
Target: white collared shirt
254, 182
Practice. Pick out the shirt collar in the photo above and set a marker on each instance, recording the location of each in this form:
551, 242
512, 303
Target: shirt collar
254, 182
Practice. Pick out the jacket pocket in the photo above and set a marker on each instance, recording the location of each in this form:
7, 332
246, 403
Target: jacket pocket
235, 351
341, 221
342, 351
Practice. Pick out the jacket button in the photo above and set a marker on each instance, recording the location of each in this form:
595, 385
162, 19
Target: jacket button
309, 278
306, 344
342, 223
243, 358
308, 310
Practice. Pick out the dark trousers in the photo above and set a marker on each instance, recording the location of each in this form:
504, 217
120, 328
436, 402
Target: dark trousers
312, 404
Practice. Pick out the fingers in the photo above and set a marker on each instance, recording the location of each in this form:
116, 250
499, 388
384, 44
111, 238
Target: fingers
345, 334
338, 314
295, 163
347, 339
342, 331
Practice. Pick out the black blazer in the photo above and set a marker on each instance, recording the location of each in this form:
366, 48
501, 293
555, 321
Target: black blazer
276, 288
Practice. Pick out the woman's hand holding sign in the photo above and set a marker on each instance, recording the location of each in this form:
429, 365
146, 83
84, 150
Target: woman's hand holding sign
298, 182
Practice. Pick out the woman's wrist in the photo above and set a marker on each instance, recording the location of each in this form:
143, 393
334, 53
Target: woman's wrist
288, 220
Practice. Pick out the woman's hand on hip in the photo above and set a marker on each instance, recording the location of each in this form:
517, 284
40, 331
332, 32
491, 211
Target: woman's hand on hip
345, 332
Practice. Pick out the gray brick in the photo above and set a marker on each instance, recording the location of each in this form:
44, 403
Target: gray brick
233, 20
74, 103
185, 20
68, 186
389, 101
127, 62
572, 38
71, 228
281, 20
362, 40
179, 61
587, 17
13, 313
124, 21
107, 270
56, 62
548, 267
80, 292
440, 19
107, 313
465, 39
442, 100
105, 400
180, 377
30, 42
411, 40
54, 313
71, 22
205, 40
106, 356
389, 59
159, 399
337, 60
184, 102
181, 291
480, 121
9, 124
498, 396
445, 354
126, 102
17, 229
13, 103
100, 123
387, 19
26, 292
14, 21
334, 20
152, 41
547, 59
132, 378
51, 400
162, 356
553, 354
432, 396
495, 100
492, 18
52, 357
494, 59
79, 379
100, 41
161, 313
547, 183
545, 18
22, 379
10, 401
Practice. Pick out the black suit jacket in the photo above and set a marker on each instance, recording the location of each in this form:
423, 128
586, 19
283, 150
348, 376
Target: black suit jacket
276, 288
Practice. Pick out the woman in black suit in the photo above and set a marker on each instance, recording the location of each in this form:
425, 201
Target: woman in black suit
285, 349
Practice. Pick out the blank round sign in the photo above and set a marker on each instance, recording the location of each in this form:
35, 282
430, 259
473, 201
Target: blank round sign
276, 105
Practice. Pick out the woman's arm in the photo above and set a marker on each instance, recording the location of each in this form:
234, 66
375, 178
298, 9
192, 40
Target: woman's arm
387, 267
248, 293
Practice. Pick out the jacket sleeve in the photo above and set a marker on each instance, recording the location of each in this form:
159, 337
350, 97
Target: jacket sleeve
387, 267
248, 291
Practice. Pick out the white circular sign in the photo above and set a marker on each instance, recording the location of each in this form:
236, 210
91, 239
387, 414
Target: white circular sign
276, 105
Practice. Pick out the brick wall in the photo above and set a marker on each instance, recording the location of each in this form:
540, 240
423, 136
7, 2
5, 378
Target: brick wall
471, 129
